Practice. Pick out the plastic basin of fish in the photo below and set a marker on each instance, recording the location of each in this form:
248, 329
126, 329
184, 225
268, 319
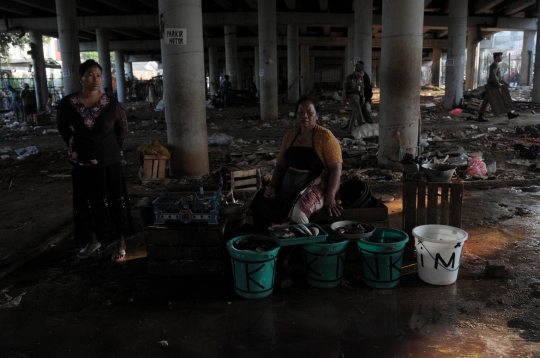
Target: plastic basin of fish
369, 230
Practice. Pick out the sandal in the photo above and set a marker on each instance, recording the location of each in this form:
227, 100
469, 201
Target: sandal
118, 255
87, 252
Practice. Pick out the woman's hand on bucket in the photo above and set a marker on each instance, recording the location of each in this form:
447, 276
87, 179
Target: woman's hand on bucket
333, 208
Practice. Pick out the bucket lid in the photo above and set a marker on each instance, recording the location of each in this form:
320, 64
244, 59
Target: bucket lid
440, 234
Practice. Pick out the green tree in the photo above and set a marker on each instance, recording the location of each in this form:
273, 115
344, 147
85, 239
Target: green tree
93, 55
9, 39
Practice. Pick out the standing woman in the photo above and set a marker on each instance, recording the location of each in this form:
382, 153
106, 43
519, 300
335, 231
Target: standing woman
93, 125
307, 173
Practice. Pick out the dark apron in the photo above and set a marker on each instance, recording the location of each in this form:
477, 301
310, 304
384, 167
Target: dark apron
303, 165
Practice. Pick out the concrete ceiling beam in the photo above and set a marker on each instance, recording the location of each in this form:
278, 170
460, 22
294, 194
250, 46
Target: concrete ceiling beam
226, 4
122, 5
483, 6
441, 33
132, 33
16, 8
426, 3
518, 6
247, 19
90, 6
150, 3
45, 5
323, 5
252, 4
291, 4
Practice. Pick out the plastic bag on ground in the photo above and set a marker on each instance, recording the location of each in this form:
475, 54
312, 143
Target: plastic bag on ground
366, 131
476, 167
160, 106
336, 97
25, 152
220, 139
456, 111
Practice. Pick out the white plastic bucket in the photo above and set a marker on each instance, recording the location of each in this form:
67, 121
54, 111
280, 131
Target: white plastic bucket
438, 252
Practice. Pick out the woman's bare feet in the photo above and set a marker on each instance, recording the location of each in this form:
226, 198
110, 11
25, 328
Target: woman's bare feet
119, 252
89, 250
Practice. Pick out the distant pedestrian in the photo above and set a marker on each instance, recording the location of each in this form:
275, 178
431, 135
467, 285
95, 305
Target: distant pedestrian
353, 92
152, 96
28, 100
15, 101
225, 87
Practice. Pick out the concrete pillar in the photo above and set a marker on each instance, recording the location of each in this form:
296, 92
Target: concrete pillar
471, 70
363, 23
120, 77
129, 71
527, 58
213, 73
240, 74
40, 75
350, 50
104, 54
268, 59
256, 76
304, 69
231, 56
66, 18
436, 67
455, 57
312, 73
183, 91
535, 94
292, 63
402, 21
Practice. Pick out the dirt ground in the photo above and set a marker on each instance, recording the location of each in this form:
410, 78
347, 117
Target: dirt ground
97, 308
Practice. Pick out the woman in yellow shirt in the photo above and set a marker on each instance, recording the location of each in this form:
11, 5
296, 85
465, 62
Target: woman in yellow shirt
307, 173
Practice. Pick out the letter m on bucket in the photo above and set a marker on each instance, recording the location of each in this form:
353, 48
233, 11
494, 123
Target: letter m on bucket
450, 262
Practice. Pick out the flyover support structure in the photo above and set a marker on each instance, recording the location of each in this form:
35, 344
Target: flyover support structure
66, 18
471, 71
231, 56
363, 23
402, 21
268, 59
104, 54
304, 69
292, 64
120, 76
40, 75
213, 70
457, 40
183, 90
527, 57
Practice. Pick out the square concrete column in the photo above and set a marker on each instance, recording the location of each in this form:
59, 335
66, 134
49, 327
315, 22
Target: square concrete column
363, 23
436, 67
231, 55
104, 54
182, 53
268, 59
66, 18
401, 65
120, 77
471, 70
455, 57
527, 57
129, 71
293, 63
350, 51
240, 76
213, 70
40, 75
304, 69
256, 77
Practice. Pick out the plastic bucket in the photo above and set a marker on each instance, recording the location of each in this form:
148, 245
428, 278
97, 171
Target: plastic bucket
253, 272
438, 252
323, 263
381, 256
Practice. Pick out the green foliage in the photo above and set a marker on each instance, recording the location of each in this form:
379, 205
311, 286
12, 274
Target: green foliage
7, 39
93, 55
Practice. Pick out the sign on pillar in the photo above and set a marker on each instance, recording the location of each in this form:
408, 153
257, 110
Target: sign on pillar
175, 36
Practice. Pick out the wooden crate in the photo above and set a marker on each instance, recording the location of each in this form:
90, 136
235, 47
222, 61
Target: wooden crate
378, 212
243, 178
152, 169
192, 249
474, 104
430, 203
500, 100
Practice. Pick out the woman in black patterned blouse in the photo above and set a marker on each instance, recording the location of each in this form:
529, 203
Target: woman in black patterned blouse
93, 125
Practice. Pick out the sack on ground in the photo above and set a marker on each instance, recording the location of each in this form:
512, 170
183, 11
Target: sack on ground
366, 131
476, 167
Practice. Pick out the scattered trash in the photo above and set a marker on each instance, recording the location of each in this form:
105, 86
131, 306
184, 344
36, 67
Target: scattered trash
367, 130
25, 152
476, 167
163, 343
220, 139
456, 111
